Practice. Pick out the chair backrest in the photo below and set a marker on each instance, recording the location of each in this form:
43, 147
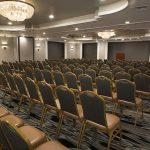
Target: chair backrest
32, 89
21, 85
116, 70
106, 73
48, 76
67, 100
11, 82
29, 73
85, 82
71, 80
147, 72
104, 86
125, 90
58, 77
133, 72
14, 137
142, 82
3, 81
91, 73
38, 74
93, 107
47, 94
78, 71
122, 75
66, 69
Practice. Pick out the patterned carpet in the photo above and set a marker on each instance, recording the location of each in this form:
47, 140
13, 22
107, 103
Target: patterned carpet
133, 137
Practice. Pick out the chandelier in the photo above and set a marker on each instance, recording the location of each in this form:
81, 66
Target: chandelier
16, 10
106, 34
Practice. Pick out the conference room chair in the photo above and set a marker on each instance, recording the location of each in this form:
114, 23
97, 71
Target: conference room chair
38, 75
55, 68
47, 67
66, 69
58, 78
68, 106
22, 90
126, 96
122, 75
142, 82
147, 72
49, 100
77, 71
71, 66
34, 94
106, 73
94, 114
82, 67
133, 72
86, 83
71, 81
91, 73
23, 141
29, 73
105, 89
116, 70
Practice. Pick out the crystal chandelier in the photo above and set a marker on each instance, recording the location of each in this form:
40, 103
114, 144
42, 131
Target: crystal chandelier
16, 10
106, 34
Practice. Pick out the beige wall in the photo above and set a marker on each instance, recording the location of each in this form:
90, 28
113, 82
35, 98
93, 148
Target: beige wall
8, 53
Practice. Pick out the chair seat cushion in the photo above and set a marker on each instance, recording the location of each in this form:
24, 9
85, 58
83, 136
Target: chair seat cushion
53, 145
13, 120
113, 123
138, 102
35, 136
3, 112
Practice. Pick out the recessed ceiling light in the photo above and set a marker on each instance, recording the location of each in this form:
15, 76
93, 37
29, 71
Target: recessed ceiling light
76, 29
84, 36
9, 23
51, 16
127, 22
44, 33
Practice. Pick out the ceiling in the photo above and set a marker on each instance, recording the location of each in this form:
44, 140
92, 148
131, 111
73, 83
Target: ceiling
71, 14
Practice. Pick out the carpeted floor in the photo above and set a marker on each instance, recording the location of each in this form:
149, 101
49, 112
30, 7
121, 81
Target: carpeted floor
133, 137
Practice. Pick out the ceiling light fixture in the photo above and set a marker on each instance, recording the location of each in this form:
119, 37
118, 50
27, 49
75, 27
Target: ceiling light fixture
127, 22
51, 16
106, 34
9, 23
16, 10
76, 29
44, 33
112, 8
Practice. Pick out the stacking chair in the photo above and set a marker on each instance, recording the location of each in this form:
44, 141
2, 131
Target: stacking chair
128, 67
68, 106
94, 114
142, 82
105, 89
58, 78
133, 72
116, 70
122, 75
48, 77
91, 73
126, 96
23, 139
147, 72
47, 67
38, 75
77, 72
29, 73
66, 69
86, 82
22, 90
106, 73
71, 81
71, 66
49, 100
34, 94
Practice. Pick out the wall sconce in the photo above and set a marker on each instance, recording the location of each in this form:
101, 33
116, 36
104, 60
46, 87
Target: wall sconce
38, 47
4, 45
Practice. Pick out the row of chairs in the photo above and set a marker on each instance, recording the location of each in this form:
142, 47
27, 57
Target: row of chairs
91, 110
16, 135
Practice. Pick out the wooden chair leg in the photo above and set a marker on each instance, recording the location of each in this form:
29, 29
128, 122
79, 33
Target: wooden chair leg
60, 124
19, 106
109, 142
137, 110
30, 108
81, 134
